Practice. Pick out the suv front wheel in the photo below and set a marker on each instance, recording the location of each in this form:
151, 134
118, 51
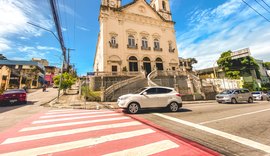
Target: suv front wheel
133, 108
234, 101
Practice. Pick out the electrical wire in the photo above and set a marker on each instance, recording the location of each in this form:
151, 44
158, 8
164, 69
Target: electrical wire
256, 11
265, 3
262, 6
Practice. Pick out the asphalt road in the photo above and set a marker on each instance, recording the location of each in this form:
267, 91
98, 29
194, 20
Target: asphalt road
233, 130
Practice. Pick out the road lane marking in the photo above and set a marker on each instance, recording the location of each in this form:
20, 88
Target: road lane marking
149, 149
68, 132
74, 114
71, 111
73, 118
238, 139
79, 144
71, 124
235, 116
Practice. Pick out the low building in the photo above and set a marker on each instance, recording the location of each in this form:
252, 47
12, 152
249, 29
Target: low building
214, 72
44, 62
17, 74
50, 73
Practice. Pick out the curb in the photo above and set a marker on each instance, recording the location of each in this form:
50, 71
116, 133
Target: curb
174, 135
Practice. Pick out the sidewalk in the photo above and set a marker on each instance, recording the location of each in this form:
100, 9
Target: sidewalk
40, 98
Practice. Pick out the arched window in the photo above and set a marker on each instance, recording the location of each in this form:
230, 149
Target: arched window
131, 41
156, 44
164, 5
113, 41
170, 46
159, 64
144, 42
133, 64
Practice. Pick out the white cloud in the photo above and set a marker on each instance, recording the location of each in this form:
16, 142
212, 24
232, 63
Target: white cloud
48, 48
230, 26
14, 16
82, 28
4, 44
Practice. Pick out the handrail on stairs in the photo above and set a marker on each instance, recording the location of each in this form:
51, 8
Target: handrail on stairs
120, 84
150, 76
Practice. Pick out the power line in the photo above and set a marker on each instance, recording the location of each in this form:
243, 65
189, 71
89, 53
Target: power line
262, 6
265, 3
256, 11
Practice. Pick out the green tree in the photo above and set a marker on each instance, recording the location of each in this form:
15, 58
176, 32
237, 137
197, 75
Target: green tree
267, 65
235, 68
67, 81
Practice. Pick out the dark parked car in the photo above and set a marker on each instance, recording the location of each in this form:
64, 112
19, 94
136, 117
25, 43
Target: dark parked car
13, 96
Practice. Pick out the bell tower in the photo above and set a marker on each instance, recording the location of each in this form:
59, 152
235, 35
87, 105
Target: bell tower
163, 8
111, 3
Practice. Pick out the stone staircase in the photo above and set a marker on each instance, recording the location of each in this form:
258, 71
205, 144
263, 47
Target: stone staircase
127, 89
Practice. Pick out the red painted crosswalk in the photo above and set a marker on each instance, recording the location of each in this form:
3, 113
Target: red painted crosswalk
85, 132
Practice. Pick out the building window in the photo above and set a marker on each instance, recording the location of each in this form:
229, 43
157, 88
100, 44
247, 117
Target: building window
133, 64
113, 40
114, 68
173, 68
156, 44
171, 47
159, 64
164, 5
113, 43
144, 42
131, 41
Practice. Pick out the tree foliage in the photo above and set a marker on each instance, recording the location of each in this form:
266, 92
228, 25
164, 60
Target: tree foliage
235, 68
267, 65
67, 81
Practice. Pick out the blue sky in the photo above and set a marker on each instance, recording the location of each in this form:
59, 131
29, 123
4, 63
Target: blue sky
204, 29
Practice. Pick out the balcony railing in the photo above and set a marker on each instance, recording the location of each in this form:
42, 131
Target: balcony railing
132, 46
145, 48
113, 45
158, 49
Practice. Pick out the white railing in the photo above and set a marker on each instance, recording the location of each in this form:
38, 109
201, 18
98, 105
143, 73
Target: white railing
123, 83
150, 76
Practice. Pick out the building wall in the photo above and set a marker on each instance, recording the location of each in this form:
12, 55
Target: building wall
140, 21
4, 77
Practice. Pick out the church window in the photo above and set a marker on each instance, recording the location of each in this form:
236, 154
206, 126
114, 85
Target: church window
131, 41
164, 5
144, 42
156, 44
113, 40
159, 64
133, 64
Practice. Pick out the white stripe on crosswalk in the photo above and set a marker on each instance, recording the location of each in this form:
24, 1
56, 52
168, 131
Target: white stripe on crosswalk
71, 124
149, 149
74, 114
73, 118
78, 144
74, 111
68, 132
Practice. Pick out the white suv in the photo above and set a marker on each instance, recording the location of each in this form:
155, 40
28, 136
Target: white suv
151, 97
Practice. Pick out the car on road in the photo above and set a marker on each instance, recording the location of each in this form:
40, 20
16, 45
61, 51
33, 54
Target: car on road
13, 96
234, 96
151, 97
259, 95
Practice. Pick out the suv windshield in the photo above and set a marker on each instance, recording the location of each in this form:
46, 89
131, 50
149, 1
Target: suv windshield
227, 92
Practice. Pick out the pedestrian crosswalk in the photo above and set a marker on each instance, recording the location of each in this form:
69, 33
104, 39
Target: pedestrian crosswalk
85, 132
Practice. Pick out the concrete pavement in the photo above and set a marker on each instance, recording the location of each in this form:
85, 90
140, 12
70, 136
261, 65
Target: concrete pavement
40, 98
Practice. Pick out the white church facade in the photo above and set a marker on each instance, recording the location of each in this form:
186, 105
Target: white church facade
136, 36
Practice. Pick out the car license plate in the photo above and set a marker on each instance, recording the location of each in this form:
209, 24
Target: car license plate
12, 101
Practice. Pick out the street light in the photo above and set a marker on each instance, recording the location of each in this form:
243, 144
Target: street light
60, 83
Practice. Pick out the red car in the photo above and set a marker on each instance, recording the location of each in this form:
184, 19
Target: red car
13, 96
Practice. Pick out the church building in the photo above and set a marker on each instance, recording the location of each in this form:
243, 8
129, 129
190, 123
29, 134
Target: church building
134, 37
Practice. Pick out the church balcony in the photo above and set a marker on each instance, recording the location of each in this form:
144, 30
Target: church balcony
132, 46
113, 45
145, 48
158, 49
123, 73
172, 50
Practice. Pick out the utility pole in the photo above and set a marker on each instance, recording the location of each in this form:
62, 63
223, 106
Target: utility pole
68, 61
